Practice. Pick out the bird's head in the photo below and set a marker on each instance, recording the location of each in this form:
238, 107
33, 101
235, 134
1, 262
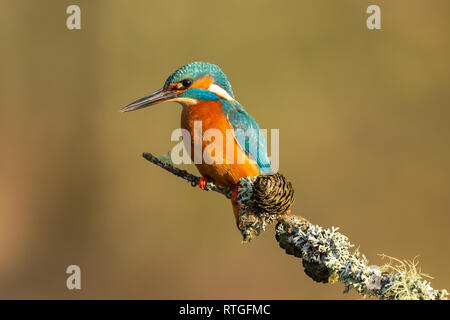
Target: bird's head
190, 84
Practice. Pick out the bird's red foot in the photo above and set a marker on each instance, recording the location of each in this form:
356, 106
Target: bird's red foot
234, 195
203, 182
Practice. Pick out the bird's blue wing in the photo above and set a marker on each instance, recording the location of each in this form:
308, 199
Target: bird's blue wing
247, 134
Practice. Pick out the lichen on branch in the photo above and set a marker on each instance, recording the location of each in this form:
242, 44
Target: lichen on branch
327, 255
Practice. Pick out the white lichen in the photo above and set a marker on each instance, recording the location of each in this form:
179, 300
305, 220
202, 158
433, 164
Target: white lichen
330, 249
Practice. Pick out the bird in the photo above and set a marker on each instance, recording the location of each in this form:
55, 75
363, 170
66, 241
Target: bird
205, 95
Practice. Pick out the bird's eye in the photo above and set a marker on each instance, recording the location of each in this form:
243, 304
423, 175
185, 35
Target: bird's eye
186, 83
182, 85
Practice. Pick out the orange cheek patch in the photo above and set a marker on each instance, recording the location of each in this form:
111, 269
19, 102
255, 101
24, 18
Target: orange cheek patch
203, 83
171, 86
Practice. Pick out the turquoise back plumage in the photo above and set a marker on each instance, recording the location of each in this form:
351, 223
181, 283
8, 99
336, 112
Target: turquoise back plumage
248, 134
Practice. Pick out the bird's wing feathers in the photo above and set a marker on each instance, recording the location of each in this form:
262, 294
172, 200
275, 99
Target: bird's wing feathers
248, 134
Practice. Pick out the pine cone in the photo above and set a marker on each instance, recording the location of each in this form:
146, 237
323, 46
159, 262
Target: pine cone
272, 194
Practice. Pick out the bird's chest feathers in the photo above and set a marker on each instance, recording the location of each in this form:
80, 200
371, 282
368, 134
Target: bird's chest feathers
205, 122
209, 112
204, 116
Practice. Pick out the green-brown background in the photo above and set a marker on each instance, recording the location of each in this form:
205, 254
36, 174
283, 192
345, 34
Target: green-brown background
364, 137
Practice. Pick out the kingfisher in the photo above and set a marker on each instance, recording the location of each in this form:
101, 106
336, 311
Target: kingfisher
205, 95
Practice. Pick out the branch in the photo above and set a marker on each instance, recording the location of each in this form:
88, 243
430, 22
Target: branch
167, 165
326, 254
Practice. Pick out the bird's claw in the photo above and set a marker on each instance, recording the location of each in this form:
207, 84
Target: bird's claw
203, 182
234, 195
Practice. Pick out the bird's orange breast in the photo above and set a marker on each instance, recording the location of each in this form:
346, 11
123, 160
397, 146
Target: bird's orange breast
225, 170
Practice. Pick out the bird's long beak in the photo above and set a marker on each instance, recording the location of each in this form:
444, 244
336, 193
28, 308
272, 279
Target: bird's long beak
156, 97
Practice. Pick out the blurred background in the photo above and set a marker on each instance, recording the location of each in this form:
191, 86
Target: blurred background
364, 137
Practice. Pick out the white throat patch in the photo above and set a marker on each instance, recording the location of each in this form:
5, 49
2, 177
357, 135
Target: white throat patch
214, 88
185, 101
